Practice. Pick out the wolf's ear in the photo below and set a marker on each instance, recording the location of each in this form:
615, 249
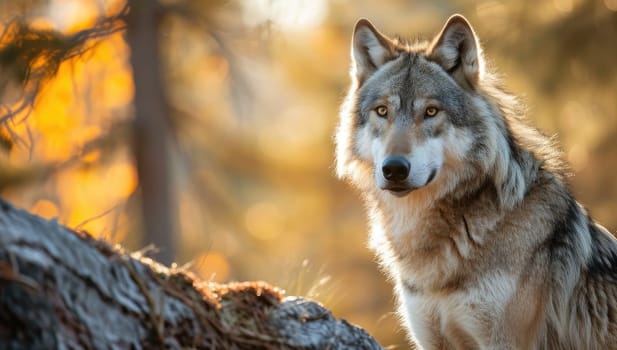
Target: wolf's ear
369, 50
458, 51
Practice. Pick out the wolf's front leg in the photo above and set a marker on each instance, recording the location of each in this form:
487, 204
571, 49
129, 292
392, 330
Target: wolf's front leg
421, 319
442, 322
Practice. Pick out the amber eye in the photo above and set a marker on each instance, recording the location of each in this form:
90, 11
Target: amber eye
431, 112
381, 111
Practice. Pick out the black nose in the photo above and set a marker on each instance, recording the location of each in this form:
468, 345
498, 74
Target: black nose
395, 168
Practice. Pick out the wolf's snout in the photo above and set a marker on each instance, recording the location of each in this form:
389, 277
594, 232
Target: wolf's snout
395, 168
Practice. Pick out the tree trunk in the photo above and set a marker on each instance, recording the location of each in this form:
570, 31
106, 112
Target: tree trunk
151, 130
61, 289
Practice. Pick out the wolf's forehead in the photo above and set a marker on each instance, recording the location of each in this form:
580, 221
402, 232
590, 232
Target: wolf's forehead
410, 76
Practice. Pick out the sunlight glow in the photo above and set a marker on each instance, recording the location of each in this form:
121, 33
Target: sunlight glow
212, 266
611, 4
72, 15
45, 208
564, 6
286, 14
264, 220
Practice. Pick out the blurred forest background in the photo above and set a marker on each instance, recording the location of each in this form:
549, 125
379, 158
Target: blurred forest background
248, 96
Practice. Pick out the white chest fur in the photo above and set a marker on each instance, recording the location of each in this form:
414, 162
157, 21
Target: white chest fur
460, 317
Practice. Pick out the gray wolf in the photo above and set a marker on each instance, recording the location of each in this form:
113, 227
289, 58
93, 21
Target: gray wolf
470, 211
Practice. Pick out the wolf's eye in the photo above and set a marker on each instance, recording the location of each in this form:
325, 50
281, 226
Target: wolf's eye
431, 112
381, 111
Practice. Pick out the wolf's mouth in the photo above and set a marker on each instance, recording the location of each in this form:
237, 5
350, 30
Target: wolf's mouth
399, 191
402, 189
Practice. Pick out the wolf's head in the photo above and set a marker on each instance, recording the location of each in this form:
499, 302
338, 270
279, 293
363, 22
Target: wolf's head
417, 116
